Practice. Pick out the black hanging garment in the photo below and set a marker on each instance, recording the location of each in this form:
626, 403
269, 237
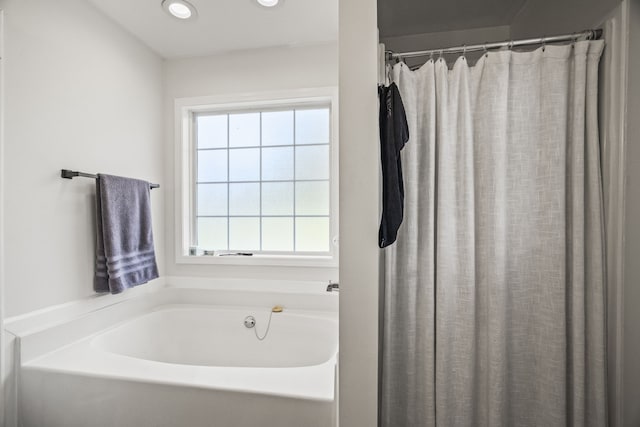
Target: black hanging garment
394, 133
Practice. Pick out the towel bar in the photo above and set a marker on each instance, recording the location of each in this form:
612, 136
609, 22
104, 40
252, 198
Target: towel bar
69, 174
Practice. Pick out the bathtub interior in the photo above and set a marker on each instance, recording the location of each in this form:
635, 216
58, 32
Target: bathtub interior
216, 336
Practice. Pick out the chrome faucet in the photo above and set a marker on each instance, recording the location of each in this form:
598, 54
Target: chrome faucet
333, 287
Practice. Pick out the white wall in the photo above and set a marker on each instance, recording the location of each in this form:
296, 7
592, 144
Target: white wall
551, 17
631, 319
241, 72
359, 213
81, 94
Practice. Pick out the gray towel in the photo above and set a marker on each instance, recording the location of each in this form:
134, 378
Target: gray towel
125, 256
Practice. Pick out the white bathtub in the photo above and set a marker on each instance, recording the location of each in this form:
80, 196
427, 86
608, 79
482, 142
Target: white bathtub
206, 336
190, 365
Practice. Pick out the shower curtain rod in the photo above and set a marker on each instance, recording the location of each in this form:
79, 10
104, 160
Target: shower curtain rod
588, 34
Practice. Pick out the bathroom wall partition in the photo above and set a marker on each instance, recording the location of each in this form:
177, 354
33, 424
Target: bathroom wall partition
2, 157
359, 198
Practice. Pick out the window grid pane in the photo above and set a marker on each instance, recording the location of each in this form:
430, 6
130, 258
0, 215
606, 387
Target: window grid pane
301, 224
211, 131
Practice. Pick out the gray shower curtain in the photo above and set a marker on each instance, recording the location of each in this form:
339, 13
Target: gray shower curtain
494, 292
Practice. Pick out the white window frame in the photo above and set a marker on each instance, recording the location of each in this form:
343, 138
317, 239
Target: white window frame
184, 166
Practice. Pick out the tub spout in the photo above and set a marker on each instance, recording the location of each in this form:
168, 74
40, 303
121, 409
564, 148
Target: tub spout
333, 287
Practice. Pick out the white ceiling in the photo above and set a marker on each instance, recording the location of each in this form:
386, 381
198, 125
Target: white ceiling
225, 25
404, 17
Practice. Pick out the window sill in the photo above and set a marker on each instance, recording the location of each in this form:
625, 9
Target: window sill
260, 260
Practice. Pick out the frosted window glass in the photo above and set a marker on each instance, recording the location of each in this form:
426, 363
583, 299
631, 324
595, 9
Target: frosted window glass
212, 166
212, 199
277, 164
277, 198
244, 234
244, 199
277, 128
244, 164
244, 130
312, 234
212, 233
263, 180
312, 198
277, 234
312, 126
212, 131
312, 162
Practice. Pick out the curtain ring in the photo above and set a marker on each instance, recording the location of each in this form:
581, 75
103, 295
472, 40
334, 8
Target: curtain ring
431, 56
544, 43
486, 51
510, 46
464, 51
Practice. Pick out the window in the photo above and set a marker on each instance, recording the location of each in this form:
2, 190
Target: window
259, 180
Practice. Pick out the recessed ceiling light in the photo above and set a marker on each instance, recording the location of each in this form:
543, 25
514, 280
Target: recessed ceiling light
180, 9
268, 3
